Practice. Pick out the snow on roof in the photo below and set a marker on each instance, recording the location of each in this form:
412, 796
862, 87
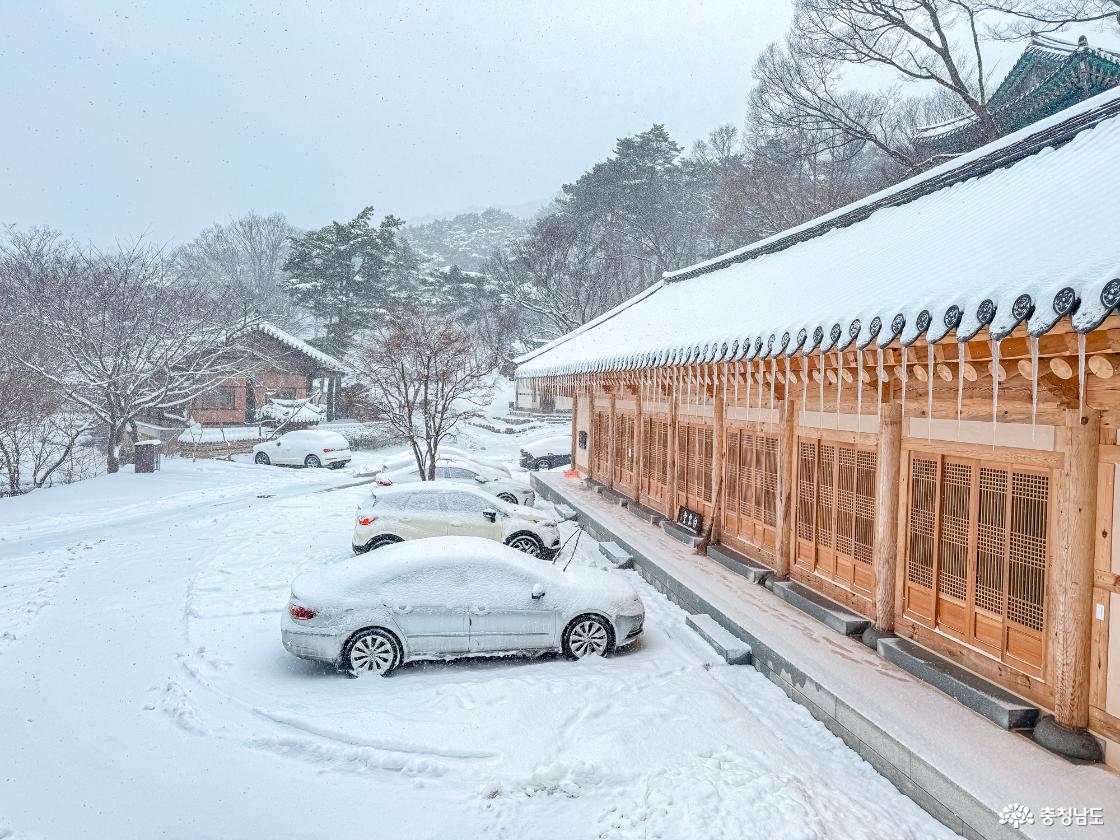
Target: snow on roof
990, 238
322, 359
291, 411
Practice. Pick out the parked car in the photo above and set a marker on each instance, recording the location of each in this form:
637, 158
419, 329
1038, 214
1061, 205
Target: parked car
305, 448
453, 470
448, 597
547, 453
483, 465
442, 508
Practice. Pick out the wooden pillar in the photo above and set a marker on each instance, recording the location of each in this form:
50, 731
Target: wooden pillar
784, 542
884, 556
639, 443
719, 455
612, 448
575, 430
671, 461
1071, 573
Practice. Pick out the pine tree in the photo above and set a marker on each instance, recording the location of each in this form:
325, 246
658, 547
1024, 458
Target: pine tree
348, 273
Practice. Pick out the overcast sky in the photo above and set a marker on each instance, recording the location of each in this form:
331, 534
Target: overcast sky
161, 118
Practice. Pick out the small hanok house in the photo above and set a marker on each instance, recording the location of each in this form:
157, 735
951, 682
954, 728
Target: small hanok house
281, 368
910, 405
1049, 76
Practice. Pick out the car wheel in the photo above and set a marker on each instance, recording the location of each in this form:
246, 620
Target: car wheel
312, 461
527, 543
262, 458
587, 635
382, 541
544, 464
373, 651
508, 497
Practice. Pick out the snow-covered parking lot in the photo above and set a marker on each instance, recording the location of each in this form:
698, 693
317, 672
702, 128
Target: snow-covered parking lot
146, 694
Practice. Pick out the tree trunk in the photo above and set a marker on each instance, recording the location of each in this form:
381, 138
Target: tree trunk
113, 463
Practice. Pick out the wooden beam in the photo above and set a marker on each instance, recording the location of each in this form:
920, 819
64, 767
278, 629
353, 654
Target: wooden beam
783, 548
671, 456
639, 444
885, 549
1071, 574
612, 437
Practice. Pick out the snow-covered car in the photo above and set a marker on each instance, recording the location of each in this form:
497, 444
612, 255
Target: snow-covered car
446, 508
455, 596
505, 489
546, 453
305, 448
447, 453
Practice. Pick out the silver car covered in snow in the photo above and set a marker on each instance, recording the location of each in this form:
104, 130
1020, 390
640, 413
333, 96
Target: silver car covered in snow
447, 597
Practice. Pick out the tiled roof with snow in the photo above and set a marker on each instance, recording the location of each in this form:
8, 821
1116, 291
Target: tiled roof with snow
1023, 229
291, 411
322, 359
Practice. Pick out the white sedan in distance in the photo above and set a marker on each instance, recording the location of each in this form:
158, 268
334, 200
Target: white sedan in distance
305, 448
449, 469
450, 453
449, 597
446, 508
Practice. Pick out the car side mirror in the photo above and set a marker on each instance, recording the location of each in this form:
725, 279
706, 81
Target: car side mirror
538, 592
491, 514
481, 479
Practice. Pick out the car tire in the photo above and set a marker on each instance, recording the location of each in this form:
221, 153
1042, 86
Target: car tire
528, 543
508, 498
262, 458
371, 651
586, 635
312, 462
543, 464
378, 542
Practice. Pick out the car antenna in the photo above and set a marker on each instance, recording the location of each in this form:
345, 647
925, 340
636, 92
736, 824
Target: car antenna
579, 533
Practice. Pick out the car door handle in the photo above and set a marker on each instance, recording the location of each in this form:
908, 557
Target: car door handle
458, 523
480, 610
403, 610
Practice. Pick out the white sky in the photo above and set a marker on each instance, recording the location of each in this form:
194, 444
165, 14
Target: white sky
161, 118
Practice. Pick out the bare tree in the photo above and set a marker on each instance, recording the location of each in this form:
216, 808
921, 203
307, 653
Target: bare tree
425, 375
124, 335
1027, 16
244, 261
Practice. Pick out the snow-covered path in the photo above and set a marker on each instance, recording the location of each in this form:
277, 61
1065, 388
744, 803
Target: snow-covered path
146, 694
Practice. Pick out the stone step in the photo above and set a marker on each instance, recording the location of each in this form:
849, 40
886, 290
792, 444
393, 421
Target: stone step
678, 533
752, 570
991, 701
566, 513
732, 650
618, 555
825, 610
611, 496
644, 513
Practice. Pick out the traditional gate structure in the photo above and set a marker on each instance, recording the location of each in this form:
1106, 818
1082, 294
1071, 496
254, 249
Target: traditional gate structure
916, 425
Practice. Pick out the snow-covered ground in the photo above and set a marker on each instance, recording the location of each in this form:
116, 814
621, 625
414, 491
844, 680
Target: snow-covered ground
145, 694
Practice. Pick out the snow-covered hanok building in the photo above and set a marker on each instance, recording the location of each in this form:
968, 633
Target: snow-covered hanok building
910, 405
282, 369
1049, 76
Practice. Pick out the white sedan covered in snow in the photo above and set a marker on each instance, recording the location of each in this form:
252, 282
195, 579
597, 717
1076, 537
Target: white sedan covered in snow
305, 448
447, 597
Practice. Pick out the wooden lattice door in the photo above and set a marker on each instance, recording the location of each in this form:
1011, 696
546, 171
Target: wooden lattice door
976, 554
694, 468
835, 512
655, 460
750, 482
625, 452
600, 444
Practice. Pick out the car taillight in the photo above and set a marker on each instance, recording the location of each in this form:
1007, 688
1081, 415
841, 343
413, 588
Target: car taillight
384, 482
300, 613
327, 449
366, 520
